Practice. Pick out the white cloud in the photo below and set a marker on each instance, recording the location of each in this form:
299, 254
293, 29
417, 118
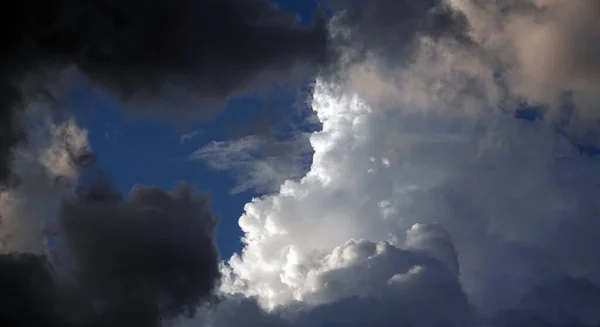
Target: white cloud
360, 283
430, 141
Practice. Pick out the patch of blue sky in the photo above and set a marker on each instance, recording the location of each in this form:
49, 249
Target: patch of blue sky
132, 150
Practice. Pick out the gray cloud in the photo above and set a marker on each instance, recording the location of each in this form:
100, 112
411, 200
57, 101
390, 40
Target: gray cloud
29, 292
131, 261
140, 259
560, 302
466, 55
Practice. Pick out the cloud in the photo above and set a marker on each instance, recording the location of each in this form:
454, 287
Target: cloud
46, 169
258, 163
560, 302
116, 262
543, 44
361, 283
28, 298
471, 55
157, 56
515, 198
186, 137
147, 257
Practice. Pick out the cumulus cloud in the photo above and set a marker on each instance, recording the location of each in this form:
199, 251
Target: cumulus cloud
361, 283
423, 132
258, 163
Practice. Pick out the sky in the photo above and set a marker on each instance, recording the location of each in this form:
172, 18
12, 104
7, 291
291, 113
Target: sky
300, 164
114, 134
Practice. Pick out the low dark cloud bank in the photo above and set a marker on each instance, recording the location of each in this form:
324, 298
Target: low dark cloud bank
122, 262
145, 51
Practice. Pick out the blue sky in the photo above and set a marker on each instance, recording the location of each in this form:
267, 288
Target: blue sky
134, 150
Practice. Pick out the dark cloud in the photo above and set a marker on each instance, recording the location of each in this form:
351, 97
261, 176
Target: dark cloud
560, 302
10, 132
143, 258
214, 48
121, 262
151, 50
237, 310
28, 295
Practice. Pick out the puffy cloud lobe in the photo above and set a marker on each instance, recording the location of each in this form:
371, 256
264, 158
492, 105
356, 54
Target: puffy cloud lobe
394, 287
151, 53
435, 241
362, 283
141, 259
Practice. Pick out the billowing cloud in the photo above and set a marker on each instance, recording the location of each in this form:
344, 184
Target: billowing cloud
362, 283
419, 135
471, 55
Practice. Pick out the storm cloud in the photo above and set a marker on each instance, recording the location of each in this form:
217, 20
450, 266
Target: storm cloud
118, 262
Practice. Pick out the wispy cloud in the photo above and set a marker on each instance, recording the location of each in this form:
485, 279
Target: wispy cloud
189, 136
258, 163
